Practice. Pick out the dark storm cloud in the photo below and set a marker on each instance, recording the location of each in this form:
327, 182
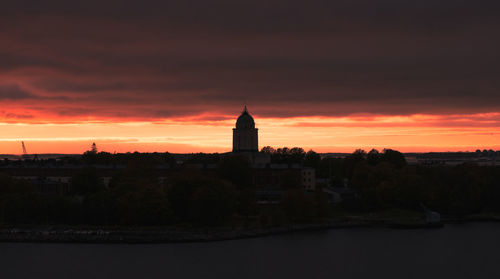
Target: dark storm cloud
284, 58
13, 92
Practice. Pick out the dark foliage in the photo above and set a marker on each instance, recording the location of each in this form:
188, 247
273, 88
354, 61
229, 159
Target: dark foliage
141, 194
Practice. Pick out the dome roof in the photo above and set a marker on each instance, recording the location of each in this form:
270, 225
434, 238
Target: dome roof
245, 120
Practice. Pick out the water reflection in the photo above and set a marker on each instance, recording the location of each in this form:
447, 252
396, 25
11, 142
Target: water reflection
456, 251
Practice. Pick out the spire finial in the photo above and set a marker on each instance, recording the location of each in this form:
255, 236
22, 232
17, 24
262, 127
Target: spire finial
245, 109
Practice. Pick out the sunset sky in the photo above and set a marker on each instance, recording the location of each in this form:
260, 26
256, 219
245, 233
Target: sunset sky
328, 75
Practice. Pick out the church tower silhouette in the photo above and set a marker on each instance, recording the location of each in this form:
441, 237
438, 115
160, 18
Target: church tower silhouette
245, 135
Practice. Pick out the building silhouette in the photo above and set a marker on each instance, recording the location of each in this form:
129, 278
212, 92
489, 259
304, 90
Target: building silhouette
53, 177
245, 135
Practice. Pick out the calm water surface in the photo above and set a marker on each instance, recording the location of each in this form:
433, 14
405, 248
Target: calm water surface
456, 251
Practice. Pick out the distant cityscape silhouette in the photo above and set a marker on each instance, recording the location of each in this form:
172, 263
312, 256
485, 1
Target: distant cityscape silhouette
246, 188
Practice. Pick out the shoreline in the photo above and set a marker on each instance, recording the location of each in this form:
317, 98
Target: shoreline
132, 235
157, 235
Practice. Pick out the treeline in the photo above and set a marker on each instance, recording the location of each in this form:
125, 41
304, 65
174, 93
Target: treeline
226, 195
136, 196
92, 157
384, 180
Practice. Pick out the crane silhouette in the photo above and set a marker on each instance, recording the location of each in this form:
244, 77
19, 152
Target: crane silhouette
25, 153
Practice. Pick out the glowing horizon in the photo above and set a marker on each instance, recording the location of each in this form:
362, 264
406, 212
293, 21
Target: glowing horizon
411, 133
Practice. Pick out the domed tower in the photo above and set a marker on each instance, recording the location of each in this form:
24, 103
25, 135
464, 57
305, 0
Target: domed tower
245, 136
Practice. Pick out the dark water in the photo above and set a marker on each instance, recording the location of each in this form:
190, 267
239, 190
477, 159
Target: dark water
456, 251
